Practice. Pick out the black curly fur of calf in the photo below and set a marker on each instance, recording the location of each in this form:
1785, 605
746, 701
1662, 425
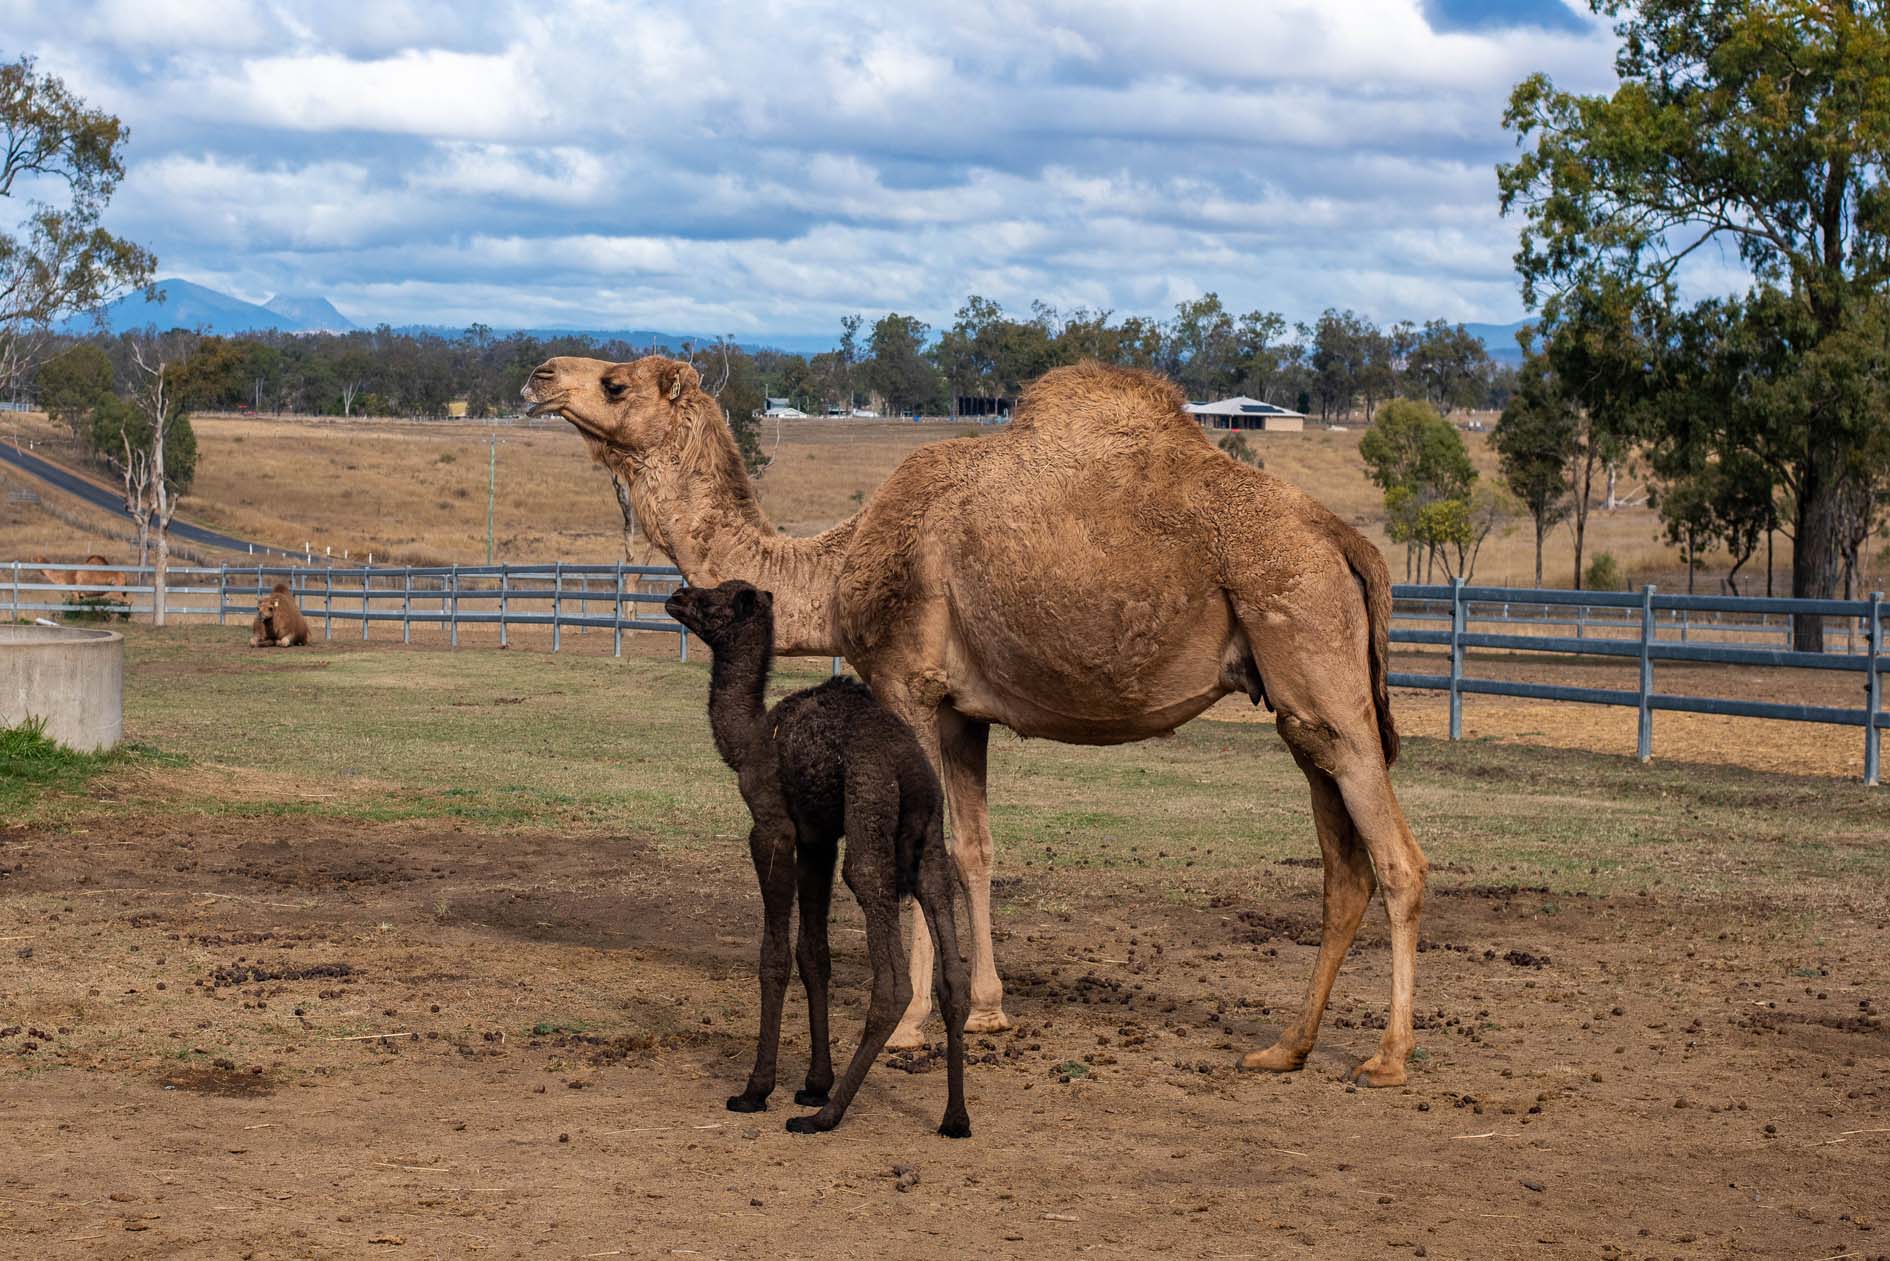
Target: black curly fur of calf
824, 762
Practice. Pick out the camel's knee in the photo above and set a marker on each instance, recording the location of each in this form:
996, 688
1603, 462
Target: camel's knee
971, 855
1312, 738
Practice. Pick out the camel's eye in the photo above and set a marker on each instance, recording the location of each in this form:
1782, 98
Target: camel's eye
615, 389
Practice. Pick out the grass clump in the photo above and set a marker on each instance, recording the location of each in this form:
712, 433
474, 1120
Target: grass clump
33, 763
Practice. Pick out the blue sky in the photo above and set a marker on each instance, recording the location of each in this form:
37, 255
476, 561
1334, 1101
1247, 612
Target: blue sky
769, 166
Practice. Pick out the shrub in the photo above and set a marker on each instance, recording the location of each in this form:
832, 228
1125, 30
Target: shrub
1604, 574
1236, 445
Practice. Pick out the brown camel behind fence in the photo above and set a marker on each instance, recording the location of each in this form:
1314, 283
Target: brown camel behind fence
1095, 573
86, 585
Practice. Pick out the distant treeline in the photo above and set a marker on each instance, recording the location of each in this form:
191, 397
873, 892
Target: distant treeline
1339, 364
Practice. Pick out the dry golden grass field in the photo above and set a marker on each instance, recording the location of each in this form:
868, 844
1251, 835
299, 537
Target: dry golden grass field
416, 491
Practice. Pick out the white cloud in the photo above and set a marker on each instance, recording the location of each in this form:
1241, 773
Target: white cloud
728, 165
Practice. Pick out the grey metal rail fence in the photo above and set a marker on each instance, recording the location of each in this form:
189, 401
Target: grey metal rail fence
1646, 626
559, 595
1647, 647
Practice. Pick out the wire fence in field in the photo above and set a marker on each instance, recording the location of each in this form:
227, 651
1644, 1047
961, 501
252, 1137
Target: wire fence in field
1643, 628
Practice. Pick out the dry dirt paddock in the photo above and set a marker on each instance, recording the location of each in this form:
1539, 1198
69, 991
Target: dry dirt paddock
370, 951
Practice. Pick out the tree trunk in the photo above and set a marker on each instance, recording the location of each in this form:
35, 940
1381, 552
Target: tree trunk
1541, 529
158, 573
1817, 542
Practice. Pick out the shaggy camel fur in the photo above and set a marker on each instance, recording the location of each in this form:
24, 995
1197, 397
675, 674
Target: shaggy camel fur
827, 761
278, 622
1095, 573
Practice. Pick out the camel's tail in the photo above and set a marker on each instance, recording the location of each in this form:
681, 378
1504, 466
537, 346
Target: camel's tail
1374, 580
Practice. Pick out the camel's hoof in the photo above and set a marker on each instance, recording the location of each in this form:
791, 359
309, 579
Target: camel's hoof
806, 1125
743, 1103
810, 1098
955, 1127
987, 1022
1374, 1074
1275, 1059
906, 1038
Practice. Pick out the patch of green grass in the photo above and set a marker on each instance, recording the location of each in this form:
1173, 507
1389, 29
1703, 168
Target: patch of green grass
620, 747
545, 1028
34, 766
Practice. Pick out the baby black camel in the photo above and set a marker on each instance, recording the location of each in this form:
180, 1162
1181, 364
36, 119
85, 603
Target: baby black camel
827, 761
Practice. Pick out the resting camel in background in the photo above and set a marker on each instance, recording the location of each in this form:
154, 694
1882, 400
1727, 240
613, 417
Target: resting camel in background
77, 579
1096, 573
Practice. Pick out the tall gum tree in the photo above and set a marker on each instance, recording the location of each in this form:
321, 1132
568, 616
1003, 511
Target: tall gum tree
1760, 123
61, 162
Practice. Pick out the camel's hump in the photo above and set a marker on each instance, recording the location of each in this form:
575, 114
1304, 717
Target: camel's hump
1092, 399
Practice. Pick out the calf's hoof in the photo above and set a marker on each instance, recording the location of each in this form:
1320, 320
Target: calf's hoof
955, 1127
808, 1125
992, 1021
747, 1103
1377, 1072
808, 1098
1275, 1059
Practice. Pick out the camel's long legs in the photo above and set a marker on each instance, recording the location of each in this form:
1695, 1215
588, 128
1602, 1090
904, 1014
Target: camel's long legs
772, 850
1348, 888
874, 885
816, 966
1400, 867
961, 749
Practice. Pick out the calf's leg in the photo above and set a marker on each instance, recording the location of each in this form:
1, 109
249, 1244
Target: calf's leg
772, 850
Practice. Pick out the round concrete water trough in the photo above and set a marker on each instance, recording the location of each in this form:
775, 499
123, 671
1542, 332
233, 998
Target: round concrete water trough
73, 678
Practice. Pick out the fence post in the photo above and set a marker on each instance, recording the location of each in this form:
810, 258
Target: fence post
223, 577
1644, 740
836, 665
616, 649
452, 620
406, 606
1456, 658
505, 599
367, 583
16, 591
557, 600
1873, 689
328, 602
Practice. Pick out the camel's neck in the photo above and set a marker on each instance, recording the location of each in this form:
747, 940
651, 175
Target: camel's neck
696, 502
737, 684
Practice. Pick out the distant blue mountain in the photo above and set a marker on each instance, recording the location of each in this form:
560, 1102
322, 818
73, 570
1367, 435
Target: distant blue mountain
1499, 339
314, 314
643, 338
186, 305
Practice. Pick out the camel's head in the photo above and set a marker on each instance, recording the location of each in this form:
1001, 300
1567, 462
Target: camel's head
724, 615
626, 407
266, 606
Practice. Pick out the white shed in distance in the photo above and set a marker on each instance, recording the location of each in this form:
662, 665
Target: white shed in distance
1241, 412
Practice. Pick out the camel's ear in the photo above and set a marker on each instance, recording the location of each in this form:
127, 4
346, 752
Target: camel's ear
676, 378
745, 603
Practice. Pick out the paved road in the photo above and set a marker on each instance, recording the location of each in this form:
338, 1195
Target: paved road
112, 502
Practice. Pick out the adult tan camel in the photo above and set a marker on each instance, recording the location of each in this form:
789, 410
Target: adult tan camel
1096, 573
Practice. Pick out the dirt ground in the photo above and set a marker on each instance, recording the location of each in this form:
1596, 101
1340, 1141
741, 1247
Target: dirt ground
242, 1037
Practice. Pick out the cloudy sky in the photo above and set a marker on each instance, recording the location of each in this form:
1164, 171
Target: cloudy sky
717, 166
